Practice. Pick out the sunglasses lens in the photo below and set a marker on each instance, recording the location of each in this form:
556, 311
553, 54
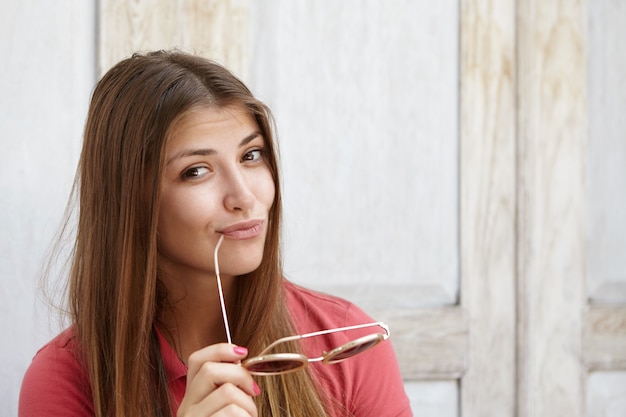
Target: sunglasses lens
280, 363
353, 348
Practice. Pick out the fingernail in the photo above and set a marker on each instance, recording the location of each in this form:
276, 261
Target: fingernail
256, 388
242, 351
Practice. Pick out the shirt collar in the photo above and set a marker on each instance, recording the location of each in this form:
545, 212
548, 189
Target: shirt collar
174, 367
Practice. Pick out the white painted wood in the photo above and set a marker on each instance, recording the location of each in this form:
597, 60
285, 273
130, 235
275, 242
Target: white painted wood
46, 77
434, 398
606, 394
431, 344
604, 338
365, 95
216, 29
606, 174
552, 134
488, 200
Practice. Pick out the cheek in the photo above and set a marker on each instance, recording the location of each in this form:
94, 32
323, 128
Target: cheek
177, 213
167, 223
266, 189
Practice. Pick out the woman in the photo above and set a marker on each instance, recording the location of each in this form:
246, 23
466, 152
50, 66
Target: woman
179, 159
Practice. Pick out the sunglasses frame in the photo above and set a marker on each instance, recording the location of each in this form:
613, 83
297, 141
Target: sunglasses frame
327, 358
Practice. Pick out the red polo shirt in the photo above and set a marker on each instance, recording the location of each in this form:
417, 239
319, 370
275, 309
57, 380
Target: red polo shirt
368, 385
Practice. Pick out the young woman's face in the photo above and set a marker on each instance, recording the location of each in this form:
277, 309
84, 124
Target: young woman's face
216, 182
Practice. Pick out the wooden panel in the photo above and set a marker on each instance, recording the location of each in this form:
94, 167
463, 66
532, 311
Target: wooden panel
365, 96
551, 142
430, 343
606, 174
488, 204
606, 394
47, 74
434, 398
217, 29
604, 338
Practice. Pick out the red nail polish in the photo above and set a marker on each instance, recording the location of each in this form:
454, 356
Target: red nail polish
256, 389
242, 351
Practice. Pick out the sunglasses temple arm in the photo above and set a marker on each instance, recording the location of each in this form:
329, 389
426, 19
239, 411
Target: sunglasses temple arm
219, 288
322, 332
343, 329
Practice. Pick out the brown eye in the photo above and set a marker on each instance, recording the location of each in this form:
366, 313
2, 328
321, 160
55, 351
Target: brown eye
195, 172
253, 155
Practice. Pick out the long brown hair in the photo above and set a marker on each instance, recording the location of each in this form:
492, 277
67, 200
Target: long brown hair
114, 291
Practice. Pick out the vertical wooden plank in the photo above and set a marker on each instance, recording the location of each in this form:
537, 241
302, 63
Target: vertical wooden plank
217, 29
488, 204
604, 334
551, 186
47, 74
220, 30
606, 171
125, 27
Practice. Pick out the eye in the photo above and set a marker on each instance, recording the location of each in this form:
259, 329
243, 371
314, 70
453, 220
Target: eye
253, 156
195, 172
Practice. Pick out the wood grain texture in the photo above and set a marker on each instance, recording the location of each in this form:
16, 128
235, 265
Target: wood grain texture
551, 192
431, 343
216, 29
604, 338
488, 204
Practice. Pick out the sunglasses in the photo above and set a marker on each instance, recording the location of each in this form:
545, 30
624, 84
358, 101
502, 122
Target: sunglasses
281, 363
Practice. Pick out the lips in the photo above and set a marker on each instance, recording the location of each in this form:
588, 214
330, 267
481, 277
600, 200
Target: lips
243, 230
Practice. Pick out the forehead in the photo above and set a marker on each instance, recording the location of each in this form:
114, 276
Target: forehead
211, 116
205, 123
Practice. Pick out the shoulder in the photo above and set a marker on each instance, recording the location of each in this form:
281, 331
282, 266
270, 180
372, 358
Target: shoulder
312, 308
56, 382
369, 384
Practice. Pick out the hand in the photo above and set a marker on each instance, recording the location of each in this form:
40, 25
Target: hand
217, 385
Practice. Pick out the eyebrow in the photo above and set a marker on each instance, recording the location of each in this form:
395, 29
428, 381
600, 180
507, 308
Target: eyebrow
208, 151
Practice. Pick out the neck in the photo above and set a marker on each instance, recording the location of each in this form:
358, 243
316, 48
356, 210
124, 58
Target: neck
192, 317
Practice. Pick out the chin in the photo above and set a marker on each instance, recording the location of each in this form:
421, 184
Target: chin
242, 264
243, 257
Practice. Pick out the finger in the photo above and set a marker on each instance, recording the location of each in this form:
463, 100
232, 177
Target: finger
221, 352
213, 375
228, 400
212, 367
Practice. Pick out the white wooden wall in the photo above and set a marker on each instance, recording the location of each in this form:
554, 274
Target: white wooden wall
46, 76
451, 166
606, 213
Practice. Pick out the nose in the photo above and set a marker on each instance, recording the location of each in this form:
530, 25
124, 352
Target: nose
238, 195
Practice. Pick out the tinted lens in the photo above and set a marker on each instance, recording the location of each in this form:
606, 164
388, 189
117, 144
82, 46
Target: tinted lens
279, 363
353, 348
